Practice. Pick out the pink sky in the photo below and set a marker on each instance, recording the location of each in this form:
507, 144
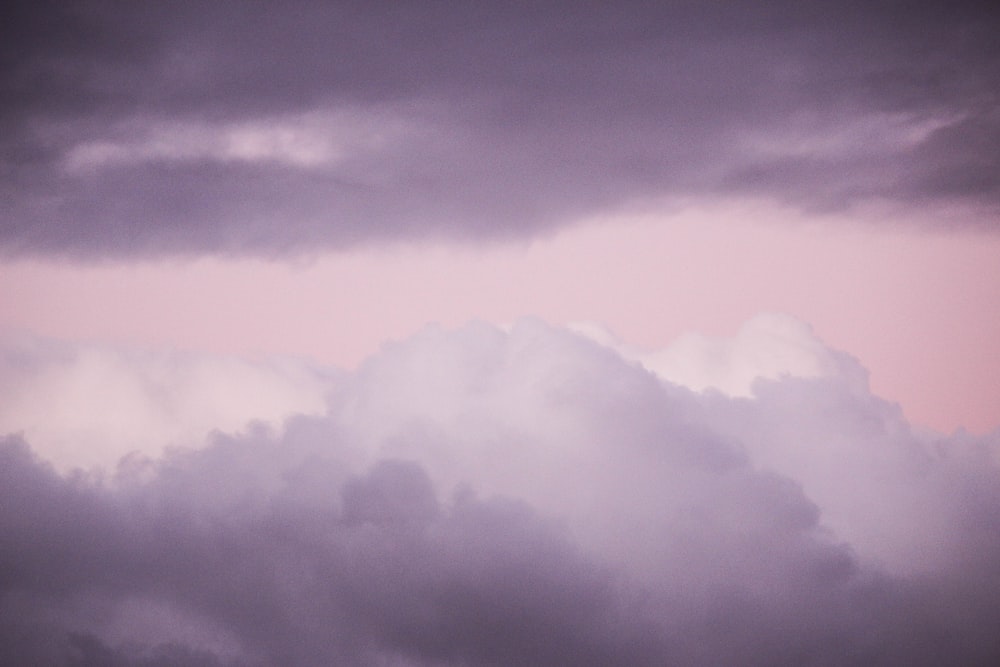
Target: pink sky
918, 308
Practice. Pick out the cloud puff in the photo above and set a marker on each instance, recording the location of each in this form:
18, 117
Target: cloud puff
85, 405
487, 497
147, 130
769, 346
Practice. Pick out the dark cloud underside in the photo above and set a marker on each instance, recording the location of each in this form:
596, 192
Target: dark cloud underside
149, 128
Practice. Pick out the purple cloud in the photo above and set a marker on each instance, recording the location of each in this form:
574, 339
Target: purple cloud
267, 129
485, 497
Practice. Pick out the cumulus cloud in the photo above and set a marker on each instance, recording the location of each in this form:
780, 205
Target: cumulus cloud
769, 346
525, 496
143, 129
87, 405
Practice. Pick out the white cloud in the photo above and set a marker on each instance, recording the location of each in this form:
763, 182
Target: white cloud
85, 405
770, 346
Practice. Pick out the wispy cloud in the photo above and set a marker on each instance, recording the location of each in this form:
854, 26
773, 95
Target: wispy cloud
306, 141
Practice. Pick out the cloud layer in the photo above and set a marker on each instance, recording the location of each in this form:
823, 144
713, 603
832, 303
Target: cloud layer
523, 496
143, 129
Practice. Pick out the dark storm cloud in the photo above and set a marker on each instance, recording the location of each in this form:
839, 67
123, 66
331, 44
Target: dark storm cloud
482, 497
145, 128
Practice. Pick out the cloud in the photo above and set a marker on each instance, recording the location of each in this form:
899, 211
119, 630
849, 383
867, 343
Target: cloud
261, 129
529, 496
305, 141
87, 405
768, 347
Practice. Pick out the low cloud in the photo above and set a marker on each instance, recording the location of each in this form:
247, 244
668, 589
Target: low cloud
86, 405
530, 496
262, 130
306, 141
770, 346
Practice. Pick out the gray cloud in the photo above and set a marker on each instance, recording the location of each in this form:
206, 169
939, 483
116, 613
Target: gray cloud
200, 127
482, 497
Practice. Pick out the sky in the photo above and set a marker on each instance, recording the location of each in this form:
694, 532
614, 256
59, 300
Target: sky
425, 333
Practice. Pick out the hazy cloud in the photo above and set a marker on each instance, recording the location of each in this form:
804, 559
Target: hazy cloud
490, 497
266, 128
84, 405
770, 346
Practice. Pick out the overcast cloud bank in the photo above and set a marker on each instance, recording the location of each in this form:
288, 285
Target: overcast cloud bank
531, 497
269, 128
